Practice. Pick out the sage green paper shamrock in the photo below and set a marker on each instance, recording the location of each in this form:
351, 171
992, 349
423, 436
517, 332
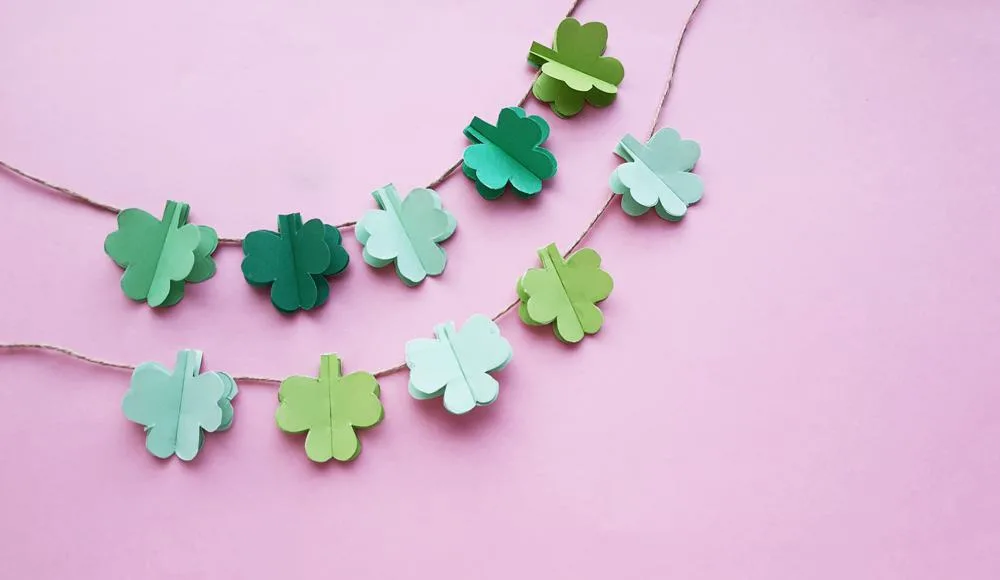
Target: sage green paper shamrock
329, 408
159, 256
573, 70
657, 174
177, 407
510, 152
565, 291
294, 261
406, 232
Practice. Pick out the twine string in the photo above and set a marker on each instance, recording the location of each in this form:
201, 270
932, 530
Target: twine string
658, 113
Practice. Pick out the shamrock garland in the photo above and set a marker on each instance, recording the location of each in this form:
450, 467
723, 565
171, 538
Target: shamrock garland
295, 261
509, 153
159, 256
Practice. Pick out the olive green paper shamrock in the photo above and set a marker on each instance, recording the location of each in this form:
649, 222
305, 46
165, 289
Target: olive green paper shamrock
509, 153
566, 292
294, 261
159, 256
329, 408
573, 70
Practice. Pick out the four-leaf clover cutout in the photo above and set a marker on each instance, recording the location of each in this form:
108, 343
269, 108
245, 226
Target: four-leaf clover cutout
657, 174
509, 153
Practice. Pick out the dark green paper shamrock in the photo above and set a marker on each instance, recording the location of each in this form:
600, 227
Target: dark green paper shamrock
509, 153
294, 261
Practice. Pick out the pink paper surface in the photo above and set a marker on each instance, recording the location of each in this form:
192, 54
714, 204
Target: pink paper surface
797, 381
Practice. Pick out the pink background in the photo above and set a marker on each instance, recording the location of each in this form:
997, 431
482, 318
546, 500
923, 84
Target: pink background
797, 381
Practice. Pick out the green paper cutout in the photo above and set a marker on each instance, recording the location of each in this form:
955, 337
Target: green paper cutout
176, 407
509, 153
329, 408
159, 256
565, 291
573, 70
657, 174
406, 232
455, 365
294, 261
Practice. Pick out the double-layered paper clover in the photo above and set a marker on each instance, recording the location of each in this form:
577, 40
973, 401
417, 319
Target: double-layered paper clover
509, 153
574, 71
657, 175
159, 256
176, 408
294, 261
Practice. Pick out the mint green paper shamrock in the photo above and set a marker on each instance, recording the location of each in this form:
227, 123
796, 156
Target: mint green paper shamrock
510, 153
294, 261
406, 232
176, 407
457, 364
159, 256
573, 70
565, 291
657, 174
329, 408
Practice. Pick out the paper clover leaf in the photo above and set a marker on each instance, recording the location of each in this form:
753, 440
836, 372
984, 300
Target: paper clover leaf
159, 256
407, 232
657, 174
565, 291
456, 364
294, 261
573, 70
177, 407
510, 152
329, 408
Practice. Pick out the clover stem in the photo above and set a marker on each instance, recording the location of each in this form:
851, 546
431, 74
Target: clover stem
175, 213
540, 54
289, 224
550, 257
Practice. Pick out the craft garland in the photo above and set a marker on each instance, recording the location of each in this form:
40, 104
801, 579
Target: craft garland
564, 291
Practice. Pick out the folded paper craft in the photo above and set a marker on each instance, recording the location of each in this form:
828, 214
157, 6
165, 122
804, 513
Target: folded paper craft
328, 408
509, 153
657, 174
406, 232
295, 261
159, 256
456, 364
177, 407
573, 70
565, 292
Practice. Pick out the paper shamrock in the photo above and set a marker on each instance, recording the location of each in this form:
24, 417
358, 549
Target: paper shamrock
565, 291
573, 70
657, 174
294, 261
407, 232
510, 152
329, 408
456, 364
177, 407
159, 256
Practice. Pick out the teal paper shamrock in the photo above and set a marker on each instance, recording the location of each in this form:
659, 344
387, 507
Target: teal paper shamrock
510, 153
159, 256
175, 408
456, 364
657, 174
406, 232
294, 261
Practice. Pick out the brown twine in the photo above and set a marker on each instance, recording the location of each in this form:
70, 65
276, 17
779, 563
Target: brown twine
39, 346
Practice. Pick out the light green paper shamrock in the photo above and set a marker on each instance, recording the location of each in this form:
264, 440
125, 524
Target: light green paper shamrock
406, 232
658, 175
176, 407
565, 291
159, 256
509, 153
573, 70
456, 364
329, 408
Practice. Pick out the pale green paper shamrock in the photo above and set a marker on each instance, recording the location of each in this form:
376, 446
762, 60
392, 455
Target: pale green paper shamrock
175, 407
456, 364
406, 232
657, 174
